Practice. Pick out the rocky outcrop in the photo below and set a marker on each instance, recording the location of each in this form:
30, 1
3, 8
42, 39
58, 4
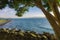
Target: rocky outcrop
13, 34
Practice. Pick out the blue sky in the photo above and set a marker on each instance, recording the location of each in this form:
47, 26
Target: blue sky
10, 13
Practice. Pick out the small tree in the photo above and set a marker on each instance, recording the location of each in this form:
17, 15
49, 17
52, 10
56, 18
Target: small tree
45, 5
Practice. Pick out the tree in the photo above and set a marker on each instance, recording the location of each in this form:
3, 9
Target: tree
45, 5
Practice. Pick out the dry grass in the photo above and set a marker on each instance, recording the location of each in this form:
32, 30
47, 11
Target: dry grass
2, 21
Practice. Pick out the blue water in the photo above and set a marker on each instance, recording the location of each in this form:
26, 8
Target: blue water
38, 25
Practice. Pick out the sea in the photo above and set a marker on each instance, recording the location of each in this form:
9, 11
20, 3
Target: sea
38, 25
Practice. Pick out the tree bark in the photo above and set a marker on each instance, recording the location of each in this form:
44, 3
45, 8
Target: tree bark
50, 18
54, 7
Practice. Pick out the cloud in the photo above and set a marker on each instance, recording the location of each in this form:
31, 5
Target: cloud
34, 14
7, 13
10, 13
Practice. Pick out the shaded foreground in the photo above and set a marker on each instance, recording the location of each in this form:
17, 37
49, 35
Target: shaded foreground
13, 34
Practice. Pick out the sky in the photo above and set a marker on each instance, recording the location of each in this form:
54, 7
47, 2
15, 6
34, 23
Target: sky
10, 13
32, 13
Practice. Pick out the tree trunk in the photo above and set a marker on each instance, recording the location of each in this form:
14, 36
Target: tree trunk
54, 7
50, 18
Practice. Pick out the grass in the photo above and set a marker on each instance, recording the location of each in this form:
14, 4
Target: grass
2, 22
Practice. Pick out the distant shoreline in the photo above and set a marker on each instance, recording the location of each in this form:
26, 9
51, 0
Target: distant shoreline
21, 18
3, 22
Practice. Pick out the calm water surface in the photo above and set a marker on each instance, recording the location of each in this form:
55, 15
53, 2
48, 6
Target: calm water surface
33, 24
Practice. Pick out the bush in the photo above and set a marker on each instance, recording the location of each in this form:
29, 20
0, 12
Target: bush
13, 34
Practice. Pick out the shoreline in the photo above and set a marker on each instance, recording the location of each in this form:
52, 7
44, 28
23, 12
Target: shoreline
3, 22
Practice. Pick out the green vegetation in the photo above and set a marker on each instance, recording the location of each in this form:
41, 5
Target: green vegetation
2, 22
45, 5
13, 34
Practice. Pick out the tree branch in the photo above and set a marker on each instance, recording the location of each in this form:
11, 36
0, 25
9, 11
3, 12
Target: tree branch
54, 7
50, 18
